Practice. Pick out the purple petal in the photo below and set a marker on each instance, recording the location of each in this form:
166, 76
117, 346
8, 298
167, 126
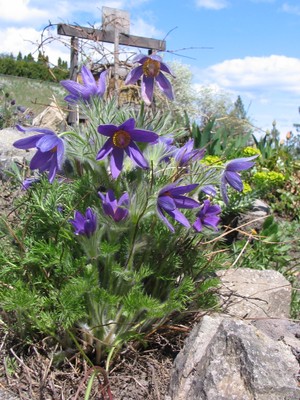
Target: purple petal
234, 180
178, 216
211, 221
166, 203
35, 129
87, 76
27, 143
121, 213
124, 199
107, 130
147, 87
223, 189
106, 149
116, 162
140, 135
185, 202
141, 58
127, 126
209, 190
136, 156
165, 68
240, 164
47, 143
40, 161
198, 225
183, 189
165, 85
164, 219
134, 75
52, 170
101, 86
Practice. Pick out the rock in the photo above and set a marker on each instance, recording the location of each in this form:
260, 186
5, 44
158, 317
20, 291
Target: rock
229, 359
251, 293
52, 117
254, 218
8, 153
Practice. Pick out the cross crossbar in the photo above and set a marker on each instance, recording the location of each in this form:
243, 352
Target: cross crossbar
99, 35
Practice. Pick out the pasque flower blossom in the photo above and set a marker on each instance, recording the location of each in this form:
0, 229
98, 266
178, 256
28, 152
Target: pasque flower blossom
116, 209
231, 176
86, 90
150, 70
187, 154
121, 140
84, 224
207, 216
170, 198
50, 150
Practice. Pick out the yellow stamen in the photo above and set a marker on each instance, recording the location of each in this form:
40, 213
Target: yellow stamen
121, 139
151, 68
54, 150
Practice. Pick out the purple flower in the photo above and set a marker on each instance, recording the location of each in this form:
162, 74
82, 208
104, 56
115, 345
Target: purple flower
232, 177
50, 150
209, 190
86, 90
207, 216
29, 182
151, 69
170, 198
187, 154
115, 209
85, 224
121, 139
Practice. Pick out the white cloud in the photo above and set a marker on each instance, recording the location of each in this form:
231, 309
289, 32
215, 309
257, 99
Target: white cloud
257, 73
139, 27
290, 9
20, 10
269, 86
212, 4
27, 40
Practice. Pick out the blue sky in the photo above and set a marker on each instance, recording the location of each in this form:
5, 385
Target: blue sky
243, 47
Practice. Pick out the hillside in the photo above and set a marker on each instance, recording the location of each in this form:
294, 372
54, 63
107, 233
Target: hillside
31, 93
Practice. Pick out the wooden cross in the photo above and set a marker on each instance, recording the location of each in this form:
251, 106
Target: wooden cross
116, 36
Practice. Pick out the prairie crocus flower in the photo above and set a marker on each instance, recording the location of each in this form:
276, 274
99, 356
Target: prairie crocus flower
207, 216
116, 209
86, 90
121, 140
50, 150
28, 182
84, 224
170, 198
151, 70
231, 176
187, 154
209, 190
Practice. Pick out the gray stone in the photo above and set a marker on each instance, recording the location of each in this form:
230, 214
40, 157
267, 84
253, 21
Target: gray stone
8, 153
250, 293
53, 117
229, 359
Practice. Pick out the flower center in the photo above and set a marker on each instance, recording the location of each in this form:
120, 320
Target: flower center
121, 139
54, 150
151, 68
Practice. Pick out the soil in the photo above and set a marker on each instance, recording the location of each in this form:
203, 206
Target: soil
30, 372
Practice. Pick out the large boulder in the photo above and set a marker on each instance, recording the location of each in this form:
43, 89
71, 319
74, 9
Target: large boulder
53, 117
229, 359
250, 293
8, 153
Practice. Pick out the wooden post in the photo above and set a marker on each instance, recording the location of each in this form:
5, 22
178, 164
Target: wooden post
73, 114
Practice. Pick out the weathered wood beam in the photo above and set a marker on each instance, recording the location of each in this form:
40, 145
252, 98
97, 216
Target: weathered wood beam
109, 37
